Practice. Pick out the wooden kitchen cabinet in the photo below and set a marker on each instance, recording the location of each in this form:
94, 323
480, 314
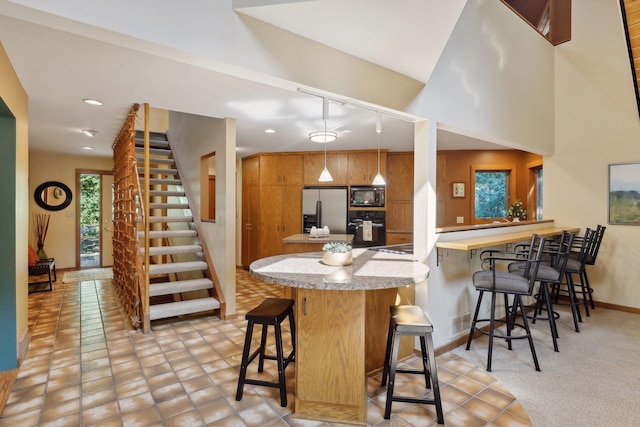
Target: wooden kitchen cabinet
272, 211
337, 333
327, 323
280, 216
337, 163
250, 210
363, 167
400, 172
400, 176
281, 169
251, 171
250, 223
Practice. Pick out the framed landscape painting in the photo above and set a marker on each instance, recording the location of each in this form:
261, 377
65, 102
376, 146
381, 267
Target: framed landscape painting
624, 193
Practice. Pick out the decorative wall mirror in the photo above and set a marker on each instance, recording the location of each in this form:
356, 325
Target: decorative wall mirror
53, 196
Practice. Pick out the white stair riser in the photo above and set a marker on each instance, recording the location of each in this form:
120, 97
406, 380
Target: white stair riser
162, 311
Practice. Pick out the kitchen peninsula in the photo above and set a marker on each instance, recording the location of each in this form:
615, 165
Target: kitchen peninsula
342, 315
305, 243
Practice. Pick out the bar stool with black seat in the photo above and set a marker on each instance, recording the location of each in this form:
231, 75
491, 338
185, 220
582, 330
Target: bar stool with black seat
575, 265
517, 285
272, 311
590, 259
411, 320
550, 272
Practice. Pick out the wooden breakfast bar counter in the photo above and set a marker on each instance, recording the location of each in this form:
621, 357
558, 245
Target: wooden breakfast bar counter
474, 243
342, 315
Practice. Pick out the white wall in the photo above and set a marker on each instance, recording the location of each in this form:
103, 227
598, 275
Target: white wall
494, 80
192, 137
597, 124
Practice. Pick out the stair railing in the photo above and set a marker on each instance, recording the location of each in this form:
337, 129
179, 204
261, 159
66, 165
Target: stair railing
126, 270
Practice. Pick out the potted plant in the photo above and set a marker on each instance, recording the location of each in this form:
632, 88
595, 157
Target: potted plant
337, 253
517, 211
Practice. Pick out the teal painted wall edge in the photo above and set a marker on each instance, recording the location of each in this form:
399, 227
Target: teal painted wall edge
8, 338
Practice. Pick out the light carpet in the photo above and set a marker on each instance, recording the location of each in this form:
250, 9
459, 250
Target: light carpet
592, 381
89, 274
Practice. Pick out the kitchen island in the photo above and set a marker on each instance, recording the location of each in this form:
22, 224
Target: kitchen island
298, 243
342, 316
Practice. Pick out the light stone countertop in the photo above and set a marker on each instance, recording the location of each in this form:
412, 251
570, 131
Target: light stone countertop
371, 269
306, 238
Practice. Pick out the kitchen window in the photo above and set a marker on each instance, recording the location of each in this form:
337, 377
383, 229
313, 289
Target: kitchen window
493, 186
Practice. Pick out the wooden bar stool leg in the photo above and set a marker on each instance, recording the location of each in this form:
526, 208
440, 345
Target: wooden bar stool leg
387, 356
392, 374
245, 360
263, 346
281, 366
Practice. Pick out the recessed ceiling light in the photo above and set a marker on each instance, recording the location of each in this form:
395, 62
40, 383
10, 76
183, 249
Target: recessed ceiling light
86, 147
92, 101
269, 131
89, 132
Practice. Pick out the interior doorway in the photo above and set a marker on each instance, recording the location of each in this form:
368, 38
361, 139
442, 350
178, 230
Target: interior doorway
95, 218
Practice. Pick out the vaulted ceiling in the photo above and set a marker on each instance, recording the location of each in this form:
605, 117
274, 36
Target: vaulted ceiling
219, 59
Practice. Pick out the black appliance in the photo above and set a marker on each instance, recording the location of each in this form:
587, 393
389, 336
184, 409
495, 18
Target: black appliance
359, 222
309, 221
367, 196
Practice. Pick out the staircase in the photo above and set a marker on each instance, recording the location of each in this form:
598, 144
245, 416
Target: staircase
180, 281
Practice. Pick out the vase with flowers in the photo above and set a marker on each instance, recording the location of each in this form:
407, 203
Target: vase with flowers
337, 253
40, 228
516, 211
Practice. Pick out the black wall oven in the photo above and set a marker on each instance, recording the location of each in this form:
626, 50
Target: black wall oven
368, 228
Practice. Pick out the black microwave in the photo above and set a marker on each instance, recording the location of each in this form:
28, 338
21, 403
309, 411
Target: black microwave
368, 196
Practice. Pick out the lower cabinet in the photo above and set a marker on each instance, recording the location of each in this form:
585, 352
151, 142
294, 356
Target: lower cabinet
330, 377
399, 238
340, 337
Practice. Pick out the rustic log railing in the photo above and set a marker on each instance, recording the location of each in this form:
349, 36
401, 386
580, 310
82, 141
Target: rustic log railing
128, 277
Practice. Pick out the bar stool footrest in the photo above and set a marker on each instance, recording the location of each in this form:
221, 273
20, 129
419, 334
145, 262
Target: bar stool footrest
413, 400
411, 371
261, 383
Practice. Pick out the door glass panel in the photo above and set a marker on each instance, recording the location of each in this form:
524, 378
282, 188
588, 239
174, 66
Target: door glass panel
90, 194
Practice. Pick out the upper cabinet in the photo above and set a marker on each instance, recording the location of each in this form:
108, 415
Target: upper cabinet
251, 171
277, 169
337, 164
363, 167
400, 176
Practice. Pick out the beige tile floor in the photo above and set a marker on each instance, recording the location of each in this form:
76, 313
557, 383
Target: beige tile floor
87, 367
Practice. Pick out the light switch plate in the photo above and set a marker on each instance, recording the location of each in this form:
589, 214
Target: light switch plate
460, 220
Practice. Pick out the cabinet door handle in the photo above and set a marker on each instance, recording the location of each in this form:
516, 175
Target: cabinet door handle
304, 306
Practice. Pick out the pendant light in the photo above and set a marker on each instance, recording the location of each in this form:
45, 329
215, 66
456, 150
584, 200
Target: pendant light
378, 180
325, 176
